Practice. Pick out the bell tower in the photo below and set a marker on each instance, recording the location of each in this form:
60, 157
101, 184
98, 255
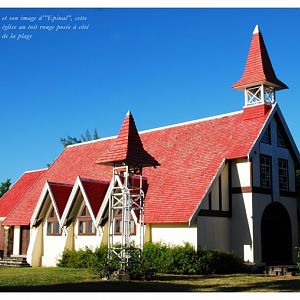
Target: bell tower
127, 157
259, 82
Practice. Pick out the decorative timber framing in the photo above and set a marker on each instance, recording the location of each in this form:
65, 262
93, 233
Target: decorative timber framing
215, 213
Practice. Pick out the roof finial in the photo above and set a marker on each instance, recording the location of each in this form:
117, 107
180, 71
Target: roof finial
128, 113
256, 29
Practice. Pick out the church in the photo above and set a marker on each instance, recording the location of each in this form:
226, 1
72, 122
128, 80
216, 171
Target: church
225, 182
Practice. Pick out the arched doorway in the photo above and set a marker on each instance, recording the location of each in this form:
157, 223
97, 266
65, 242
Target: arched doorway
276, 235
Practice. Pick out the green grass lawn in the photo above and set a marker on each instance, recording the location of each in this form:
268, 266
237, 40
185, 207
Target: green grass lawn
81, 280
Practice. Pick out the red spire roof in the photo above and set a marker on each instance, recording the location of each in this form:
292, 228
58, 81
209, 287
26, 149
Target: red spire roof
128, 147
258, 68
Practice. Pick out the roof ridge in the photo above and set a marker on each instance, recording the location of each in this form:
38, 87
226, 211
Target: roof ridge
60, 183
163, 127
93, 180
37, 170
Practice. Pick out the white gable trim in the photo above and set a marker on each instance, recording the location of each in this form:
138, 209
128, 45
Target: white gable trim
264, 128
39, 204
70, 201
86, 200
34, 171
42, 199
77, 186
105, 202
218, 173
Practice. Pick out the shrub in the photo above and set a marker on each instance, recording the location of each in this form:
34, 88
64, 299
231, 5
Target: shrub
156, 258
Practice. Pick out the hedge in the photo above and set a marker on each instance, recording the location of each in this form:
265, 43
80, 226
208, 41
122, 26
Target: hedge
156, 258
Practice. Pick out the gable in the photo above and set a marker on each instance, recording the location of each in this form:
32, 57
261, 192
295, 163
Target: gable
276, 132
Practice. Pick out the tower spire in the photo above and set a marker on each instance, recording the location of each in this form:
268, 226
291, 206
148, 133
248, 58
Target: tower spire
128, 148
259, 81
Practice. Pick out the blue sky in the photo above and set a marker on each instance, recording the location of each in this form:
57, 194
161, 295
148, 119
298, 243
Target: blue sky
165, 65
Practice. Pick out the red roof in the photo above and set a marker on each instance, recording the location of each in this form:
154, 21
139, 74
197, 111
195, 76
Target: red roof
128, 147
189, 154
15, 194
95, 191
61, 193
258, 67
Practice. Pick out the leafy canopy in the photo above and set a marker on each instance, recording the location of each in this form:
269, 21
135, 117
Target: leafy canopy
4, 187
69, 140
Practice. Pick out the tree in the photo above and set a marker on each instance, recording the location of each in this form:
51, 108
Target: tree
69, 140
4, 187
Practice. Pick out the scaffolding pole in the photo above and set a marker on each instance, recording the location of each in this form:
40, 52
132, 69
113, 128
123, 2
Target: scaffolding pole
128, 197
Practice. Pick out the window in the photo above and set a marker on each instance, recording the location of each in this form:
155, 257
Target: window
53, 227
265, 171
118, 228
280, 139
266, 138
283, 174
85, 223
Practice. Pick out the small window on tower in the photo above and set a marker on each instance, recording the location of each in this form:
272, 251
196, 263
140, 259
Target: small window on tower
266, 138
283, 174
265, 171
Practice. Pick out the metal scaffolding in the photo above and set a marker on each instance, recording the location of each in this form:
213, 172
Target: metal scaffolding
127, 197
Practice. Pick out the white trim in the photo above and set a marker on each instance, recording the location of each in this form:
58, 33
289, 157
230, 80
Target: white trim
70, 201
163, 127
39, 203
105, 202
256, 29
37, 170
54, 204
263, 129
93, 141
192, 122
87, 202
208, 190
289, 134
78, 186
42, 198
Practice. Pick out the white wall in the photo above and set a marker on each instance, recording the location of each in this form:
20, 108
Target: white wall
214, 233
241, 175
35, 248
17, 240
53, 247
175, 234
242, 226
90, 241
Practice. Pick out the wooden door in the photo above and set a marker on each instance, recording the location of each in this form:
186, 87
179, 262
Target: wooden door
10, 246
24, 239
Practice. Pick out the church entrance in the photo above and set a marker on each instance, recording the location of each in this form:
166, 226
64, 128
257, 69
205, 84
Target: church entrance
276, 235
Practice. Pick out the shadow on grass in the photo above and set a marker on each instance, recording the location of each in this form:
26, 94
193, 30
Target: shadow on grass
167, 284
104, 286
